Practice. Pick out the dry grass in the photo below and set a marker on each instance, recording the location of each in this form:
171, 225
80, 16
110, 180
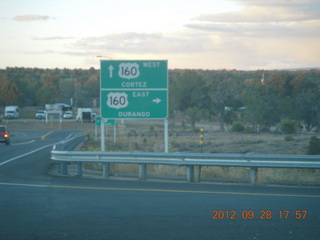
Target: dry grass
227, 142
150, 138
216, 142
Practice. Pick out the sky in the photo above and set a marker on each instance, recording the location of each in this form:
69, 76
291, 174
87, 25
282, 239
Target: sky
190, 34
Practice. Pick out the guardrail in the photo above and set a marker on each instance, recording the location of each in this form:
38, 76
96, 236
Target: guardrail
190, 160
70, 143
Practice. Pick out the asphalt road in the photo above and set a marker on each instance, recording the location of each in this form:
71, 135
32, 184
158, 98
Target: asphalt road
35, 205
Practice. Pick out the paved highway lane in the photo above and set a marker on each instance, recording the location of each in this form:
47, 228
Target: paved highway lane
95, 209
29, 153
35, 205
24, 142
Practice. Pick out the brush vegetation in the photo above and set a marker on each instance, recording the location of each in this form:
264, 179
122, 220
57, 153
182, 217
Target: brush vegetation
146, 140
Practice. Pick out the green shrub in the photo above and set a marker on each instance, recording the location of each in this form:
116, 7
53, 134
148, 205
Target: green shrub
264, 130
314, 146
288, 126
248, 130
237, 127
288, 138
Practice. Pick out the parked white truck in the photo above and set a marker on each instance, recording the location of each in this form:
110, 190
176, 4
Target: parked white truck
11, 112
85, 115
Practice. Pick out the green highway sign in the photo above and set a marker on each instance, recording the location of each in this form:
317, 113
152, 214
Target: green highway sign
109, 122
134, 74
134, 104
98, 121
134, 89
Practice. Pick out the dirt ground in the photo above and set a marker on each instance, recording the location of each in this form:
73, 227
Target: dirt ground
144, 136
149, 136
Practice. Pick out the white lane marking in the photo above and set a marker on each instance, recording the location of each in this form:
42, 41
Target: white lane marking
23, 185
36, 150
22, 143
71, 135
26, 154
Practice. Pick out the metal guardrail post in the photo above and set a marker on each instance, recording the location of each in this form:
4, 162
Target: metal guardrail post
143, 171
79, 169
106, 170
190, 173
253, 175
65, 168
60, 167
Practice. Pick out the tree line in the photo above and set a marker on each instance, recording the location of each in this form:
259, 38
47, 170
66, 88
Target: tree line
260, 99
37, 87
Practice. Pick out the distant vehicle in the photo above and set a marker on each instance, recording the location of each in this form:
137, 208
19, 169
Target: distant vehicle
50, 107
4, 135
58, 107
41, 114
11, 112
66, 107
93, 116
68, 115
84, 115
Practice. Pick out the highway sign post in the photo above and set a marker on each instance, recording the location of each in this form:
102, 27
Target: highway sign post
134, 89
106, 123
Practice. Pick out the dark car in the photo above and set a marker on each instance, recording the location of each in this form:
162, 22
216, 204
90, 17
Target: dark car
4, 135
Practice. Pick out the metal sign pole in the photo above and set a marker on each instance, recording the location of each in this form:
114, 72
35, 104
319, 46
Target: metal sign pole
166, 140
95, 133
102, 135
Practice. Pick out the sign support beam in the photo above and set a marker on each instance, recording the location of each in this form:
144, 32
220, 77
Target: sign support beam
166, 138
102, 135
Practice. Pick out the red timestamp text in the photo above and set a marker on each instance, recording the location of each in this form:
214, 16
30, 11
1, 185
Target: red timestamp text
263, 214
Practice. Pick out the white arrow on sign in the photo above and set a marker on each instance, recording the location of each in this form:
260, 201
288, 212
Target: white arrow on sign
110, 71
157, 100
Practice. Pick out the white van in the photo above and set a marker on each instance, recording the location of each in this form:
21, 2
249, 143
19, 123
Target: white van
11, 112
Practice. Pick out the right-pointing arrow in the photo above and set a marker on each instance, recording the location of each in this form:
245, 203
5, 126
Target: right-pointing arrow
157, 100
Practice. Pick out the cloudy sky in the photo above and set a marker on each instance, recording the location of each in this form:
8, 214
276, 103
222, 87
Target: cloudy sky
197, 34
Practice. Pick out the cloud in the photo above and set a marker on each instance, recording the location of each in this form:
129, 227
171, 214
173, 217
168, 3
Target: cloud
264, 33
51, 52
268, 11
256, 14
32, 17
133, 42
261, 30
51, 38
278, 2
279, 18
